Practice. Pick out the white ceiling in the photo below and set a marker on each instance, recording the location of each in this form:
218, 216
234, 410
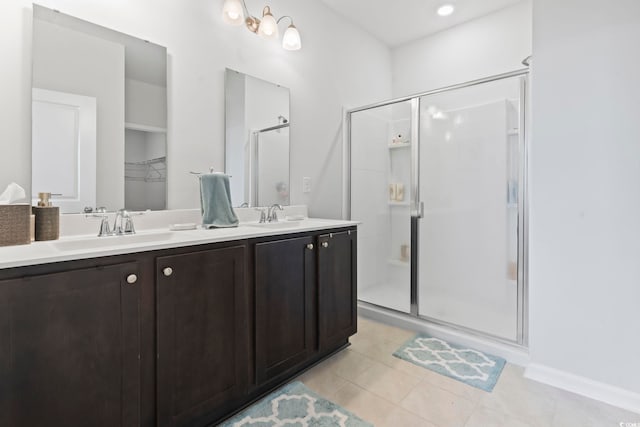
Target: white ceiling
400, 21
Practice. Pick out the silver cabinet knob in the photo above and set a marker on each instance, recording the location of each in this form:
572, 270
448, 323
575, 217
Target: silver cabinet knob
131, 279
168, 271
310, 246
325, 244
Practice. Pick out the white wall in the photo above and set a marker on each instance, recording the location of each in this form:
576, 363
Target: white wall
493, 44
585, 190
323, 76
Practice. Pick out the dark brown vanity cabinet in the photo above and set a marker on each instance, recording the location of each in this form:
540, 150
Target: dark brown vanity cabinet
174, 337
70, 348
203, 335
305, 298
285, 302
337, 270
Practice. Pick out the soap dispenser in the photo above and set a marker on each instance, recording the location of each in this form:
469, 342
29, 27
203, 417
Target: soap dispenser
47, 221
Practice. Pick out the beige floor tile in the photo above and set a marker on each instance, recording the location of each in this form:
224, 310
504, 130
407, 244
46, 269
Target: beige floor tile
438, 406
386, 382
382, 351
323, 381
520, 398
439, 401
484, 417
575, 410
400, 417
454, 386
381, 331
364, 404
349, 364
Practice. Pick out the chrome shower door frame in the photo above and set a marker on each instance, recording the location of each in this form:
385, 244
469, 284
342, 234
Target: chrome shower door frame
417, 205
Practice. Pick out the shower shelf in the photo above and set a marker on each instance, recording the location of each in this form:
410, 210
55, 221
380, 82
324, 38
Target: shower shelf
398, 262
401, 145
398, 203
513, 132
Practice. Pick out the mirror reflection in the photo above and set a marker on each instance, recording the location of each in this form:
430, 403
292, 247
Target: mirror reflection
257, 140
99, 116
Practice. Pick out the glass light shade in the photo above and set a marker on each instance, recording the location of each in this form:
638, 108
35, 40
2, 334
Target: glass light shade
446, 10
291, 39
268, 26
232, 12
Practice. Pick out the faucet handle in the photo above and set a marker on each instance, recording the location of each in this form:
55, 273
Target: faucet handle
129, 228
263, 215
127, 216
105, 229
273, 216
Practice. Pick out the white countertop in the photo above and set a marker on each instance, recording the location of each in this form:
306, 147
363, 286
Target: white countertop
90, 246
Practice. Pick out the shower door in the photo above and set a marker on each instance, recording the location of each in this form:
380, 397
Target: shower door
380, 189
470, 186
437, 182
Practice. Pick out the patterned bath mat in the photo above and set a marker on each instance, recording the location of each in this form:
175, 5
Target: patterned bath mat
295, 405
469, 366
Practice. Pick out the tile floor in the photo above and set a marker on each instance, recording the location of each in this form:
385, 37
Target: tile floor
367, 380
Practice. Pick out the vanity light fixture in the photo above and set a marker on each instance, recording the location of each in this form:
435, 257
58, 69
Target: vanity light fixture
235, 12
446, 9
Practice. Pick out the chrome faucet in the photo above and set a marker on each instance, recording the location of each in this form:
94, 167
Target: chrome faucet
272, 215
123, 224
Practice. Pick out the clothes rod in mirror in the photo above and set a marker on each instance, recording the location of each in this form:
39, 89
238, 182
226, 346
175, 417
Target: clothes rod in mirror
235, 12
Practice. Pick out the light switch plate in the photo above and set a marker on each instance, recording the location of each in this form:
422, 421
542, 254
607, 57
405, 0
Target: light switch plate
306, 184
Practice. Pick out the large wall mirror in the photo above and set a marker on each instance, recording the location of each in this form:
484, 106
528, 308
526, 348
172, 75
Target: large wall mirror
257, 140
99, 116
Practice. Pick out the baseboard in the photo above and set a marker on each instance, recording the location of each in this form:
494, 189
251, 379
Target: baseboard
511, 353
615, 396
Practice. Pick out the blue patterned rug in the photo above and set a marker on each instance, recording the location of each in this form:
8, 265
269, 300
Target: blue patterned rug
295, 405
463, 364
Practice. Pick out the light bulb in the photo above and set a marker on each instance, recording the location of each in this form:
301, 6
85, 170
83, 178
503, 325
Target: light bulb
232, 12
446, 10
268, 26
291, 39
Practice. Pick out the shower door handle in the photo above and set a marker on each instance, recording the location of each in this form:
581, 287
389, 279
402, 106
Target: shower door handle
417, 207
418, 212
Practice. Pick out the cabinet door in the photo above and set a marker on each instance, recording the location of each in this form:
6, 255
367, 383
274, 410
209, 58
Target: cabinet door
69, 349
285, 305
203, 335
337, 315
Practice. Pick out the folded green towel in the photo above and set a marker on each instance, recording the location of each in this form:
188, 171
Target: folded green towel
215, 201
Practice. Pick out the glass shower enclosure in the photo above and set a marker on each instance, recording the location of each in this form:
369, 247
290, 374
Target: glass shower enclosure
437, 181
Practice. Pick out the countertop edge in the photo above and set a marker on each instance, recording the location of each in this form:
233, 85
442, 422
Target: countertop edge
46, 253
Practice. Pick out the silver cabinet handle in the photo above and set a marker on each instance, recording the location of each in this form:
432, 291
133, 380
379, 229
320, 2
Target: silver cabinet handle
310, 246
325, 244
131, 279
168, 271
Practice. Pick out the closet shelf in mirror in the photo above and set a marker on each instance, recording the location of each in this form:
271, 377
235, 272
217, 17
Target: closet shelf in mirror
398, 203
144, 128
152, 170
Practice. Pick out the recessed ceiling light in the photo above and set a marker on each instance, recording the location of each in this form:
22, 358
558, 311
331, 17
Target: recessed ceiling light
446, 10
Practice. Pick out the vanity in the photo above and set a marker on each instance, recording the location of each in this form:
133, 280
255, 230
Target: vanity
171, 328
159, 328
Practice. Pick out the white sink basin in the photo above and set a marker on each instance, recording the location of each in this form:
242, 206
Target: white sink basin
111, 241
279, 224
